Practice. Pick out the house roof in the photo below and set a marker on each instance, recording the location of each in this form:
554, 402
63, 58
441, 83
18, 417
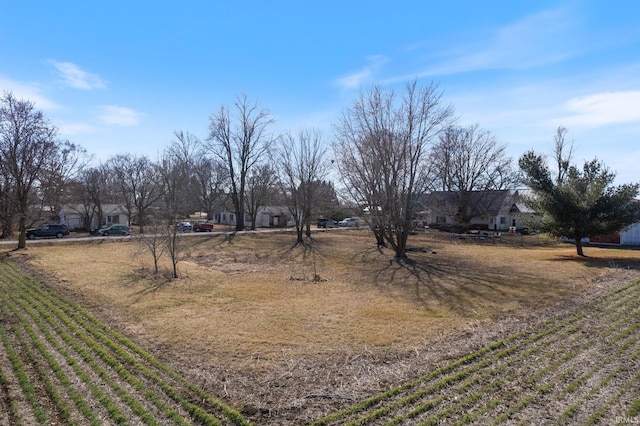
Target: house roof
106, 208
480, 202
274, 209
521, 208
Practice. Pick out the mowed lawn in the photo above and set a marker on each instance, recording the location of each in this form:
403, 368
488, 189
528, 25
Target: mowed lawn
288, 333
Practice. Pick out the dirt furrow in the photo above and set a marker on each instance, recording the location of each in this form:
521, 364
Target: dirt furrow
20, 409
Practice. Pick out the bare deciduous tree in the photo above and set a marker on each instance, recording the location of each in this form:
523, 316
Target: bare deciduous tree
175, 170
59, 173
563, 153
154, 242
382, 149
302, 167
185, 150
138, 182
326, 199
261, 184
468, 160
240, 145
90, 193
29, 148
7, 204
210, 180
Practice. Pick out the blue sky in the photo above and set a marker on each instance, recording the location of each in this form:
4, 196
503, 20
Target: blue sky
123, 76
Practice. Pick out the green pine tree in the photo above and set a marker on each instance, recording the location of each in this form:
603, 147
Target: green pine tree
578, 203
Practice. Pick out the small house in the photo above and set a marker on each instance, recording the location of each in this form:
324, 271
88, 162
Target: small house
78, 216
266, 217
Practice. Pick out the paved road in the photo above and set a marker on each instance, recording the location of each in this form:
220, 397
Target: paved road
186, 234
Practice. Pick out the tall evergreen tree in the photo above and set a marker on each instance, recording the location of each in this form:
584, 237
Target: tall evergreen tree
579, 202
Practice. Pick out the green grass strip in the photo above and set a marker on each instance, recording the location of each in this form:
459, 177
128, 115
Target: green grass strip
634, 410
12, 405
19, 371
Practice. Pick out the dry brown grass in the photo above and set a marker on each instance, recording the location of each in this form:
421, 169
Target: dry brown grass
256, 311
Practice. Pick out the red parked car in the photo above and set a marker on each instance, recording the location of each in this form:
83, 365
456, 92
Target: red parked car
202, 226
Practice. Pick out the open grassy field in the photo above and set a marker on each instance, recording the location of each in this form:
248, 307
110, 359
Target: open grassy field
337, 330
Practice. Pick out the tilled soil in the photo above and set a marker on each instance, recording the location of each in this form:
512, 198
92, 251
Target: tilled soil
60, 365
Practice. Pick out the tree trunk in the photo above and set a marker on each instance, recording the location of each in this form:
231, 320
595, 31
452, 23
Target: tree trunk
141, 217
579, 247
239, 212
22, 239
22, 229
401, 247
308, 228
377, 231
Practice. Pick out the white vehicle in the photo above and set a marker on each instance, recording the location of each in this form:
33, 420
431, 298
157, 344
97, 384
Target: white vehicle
349, 222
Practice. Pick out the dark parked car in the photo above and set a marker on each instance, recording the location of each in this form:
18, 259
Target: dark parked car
57, 231
115, 230
326, 223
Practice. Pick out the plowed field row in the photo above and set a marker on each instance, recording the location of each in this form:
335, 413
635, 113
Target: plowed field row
580, 367
60, 365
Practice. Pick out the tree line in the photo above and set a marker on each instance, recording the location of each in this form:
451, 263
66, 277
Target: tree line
387, 148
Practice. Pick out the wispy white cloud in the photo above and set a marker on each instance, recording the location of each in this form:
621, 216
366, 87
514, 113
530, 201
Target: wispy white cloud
120, 116
538, 39
28, 91
77, 78
602, 109
542, 38
358, 78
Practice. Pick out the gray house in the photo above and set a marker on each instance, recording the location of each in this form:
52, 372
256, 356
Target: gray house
498, 210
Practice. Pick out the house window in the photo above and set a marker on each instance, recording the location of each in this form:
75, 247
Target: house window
441, 219
113, 219
513, 222
503, 220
